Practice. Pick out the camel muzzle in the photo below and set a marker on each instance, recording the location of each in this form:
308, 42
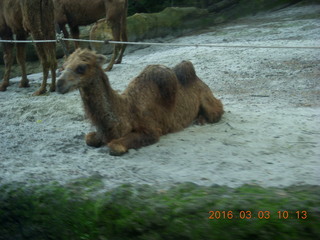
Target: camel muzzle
62, 86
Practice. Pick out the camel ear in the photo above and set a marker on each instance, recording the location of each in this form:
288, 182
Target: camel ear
101, 59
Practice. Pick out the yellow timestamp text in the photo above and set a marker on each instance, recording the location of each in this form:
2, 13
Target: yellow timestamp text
257, 215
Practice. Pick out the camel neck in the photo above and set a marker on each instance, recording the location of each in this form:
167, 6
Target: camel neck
101, 102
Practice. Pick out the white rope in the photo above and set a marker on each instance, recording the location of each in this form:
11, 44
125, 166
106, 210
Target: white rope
209, 45
83, 40
159, 44
27, 41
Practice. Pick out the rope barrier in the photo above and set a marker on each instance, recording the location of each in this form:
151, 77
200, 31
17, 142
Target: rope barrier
60, 38
26, 41
209, 45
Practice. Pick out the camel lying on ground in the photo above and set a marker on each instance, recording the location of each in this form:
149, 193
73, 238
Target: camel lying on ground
77, 13
21, 17
158, 101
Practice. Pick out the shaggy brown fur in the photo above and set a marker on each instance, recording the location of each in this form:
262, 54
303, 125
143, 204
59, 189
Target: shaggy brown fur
21, 17
84, 12
155, 103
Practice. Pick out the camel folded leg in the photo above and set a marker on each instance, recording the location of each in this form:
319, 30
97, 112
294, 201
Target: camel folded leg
211, 109
93, 139
133, 140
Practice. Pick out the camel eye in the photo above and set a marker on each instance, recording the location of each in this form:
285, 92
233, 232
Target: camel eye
81, 69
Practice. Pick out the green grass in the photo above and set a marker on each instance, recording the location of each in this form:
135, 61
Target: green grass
83, 210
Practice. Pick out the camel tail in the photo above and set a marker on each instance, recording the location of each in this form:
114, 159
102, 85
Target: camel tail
185, 73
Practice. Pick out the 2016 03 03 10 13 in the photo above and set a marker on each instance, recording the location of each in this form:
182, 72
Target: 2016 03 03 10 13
263, 214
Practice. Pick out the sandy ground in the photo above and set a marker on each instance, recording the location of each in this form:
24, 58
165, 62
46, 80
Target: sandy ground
269, 134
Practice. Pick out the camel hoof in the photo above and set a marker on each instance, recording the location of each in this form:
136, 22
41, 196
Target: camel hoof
52, 88
92, 140
24, 84
117, 149
108, 69
39, 92
201, 120
3, 87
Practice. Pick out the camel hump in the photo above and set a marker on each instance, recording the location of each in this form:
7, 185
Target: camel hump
185, 73
166, 81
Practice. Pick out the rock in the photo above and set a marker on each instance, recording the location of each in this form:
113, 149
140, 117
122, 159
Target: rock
141, 26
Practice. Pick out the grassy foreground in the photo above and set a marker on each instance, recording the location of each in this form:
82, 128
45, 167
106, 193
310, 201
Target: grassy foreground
82, 210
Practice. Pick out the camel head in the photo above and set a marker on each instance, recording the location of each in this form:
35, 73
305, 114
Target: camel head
79, 70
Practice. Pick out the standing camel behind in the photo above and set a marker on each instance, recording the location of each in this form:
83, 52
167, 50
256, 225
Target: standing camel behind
21, 17
116, 11
158, 101
77, 13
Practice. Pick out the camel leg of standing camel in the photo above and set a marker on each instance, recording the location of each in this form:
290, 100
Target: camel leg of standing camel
114, 56
116, 37
47, 57
8, 61
53, 67
124, 38
38, 18
45, 69
21, 59
61, 28
75, 32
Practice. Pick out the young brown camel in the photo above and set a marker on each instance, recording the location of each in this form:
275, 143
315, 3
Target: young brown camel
84, 12
158, 101
21, 17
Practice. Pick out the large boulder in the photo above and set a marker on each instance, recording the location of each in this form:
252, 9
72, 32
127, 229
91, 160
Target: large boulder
141, 26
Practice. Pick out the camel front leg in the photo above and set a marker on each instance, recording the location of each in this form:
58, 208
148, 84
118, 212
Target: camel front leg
211, 108
113, 59
42, 90
124, 38
115, 27
8, 61
122, 48
53, 65
133, 140
93, 139
75, 32
41, 50
21, 59
61, 28
53, 78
